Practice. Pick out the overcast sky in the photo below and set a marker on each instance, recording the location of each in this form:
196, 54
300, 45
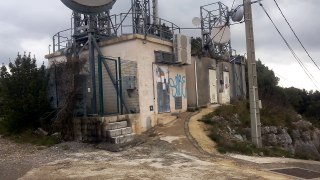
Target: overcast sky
29, 26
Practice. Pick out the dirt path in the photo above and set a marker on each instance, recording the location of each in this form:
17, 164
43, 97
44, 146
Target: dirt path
199, 132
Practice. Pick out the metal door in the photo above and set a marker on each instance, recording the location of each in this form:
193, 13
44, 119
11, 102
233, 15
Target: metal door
226, 88
163, 93
213, 86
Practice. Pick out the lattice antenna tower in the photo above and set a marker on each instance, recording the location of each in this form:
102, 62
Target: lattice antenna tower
141, 13
212, 16
99, 24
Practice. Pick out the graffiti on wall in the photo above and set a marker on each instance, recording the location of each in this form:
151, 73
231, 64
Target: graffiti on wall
178, 86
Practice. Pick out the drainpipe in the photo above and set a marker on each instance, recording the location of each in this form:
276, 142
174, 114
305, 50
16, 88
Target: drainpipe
196, 78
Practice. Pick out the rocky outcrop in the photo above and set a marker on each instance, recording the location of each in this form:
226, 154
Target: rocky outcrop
273, 136
302, 139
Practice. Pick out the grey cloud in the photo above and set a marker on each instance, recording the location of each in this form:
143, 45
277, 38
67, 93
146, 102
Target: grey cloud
41, 19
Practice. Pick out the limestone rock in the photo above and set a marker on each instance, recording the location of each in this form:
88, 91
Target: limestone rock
265, 130
306, 136
316, 138
299, 117
272, 140
284, 139
273, 129
306, 150
296, 134
304, 125
239, 137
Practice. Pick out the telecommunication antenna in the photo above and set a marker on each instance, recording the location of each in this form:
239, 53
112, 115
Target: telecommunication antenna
215, 26
220, 35
89, 18
196, 22
237, 14
89, 7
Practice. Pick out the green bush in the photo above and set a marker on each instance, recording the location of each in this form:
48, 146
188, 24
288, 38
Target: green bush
23, 95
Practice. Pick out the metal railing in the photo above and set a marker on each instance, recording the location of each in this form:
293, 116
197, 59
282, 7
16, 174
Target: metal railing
121, 24
62, 40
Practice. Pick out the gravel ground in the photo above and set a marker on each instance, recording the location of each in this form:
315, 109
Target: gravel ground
165, 153
155, 159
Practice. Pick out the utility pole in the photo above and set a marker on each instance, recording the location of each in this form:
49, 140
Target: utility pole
252, 75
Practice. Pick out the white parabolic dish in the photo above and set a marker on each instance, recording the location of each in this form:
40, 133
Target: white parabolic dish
221, 34
93, 3
196, 21
89, 6
237, 14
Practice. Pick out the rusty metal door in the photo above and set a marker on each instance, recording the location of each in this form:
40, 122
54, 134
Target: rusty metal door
163, 93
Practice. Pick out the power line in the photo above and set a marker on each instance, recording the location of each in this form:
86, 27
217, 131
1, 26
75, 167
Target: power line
281, 77
290, 48
296, 35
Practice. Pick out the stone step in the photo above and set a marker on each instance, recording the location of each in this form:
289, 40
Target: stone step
119, 132
122, 139
117, 125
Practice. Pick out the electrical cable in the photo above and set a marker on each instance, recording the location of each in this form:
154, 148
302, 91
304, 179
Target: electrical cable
290, 48
295, 34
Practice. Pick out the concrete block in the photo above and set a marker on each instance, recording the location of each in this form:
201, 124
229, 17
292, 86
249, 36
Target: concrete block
129, 137
115, 140
127, 130
112, 126
114, 133
122, 139
122, 124
111, 119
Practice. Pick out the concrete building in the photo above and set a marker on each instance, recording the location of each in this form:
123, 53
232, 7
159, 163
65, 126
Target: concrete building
158, 89
135, 69
215, 82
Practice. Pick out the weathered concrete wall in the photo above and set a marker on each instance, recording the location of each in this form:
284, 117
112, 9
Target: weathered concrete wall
192, 84
230, 81
237, 81
201, 85
137, 49
178, 87
203, 67
142, 52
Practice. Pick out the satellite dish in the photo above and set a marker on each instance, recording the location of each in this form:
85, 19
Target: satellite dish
221, 34
237, 14
89, 6
196, 21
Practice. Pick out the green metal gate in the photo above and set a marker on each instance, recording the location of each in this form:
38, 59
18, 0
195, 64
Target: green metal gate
110, 87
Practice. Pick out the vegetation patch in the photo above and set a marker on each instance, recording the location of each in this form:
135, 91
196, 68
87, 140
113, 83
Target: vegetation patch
228, 130
30, 138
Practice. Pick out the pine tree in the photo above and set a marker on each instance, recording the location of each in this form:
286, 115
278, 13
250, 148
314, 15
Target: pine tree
23, 94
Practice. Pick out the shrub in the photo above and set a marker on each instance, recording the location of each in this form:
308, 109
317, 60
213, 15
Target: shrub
23, 93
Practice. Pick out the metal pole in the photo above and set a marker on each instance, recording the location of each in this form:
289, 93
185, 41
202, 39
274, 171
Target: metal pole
54, 44
252, 76
59, 41
155, 12
93, 73
120, 85
100, 86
